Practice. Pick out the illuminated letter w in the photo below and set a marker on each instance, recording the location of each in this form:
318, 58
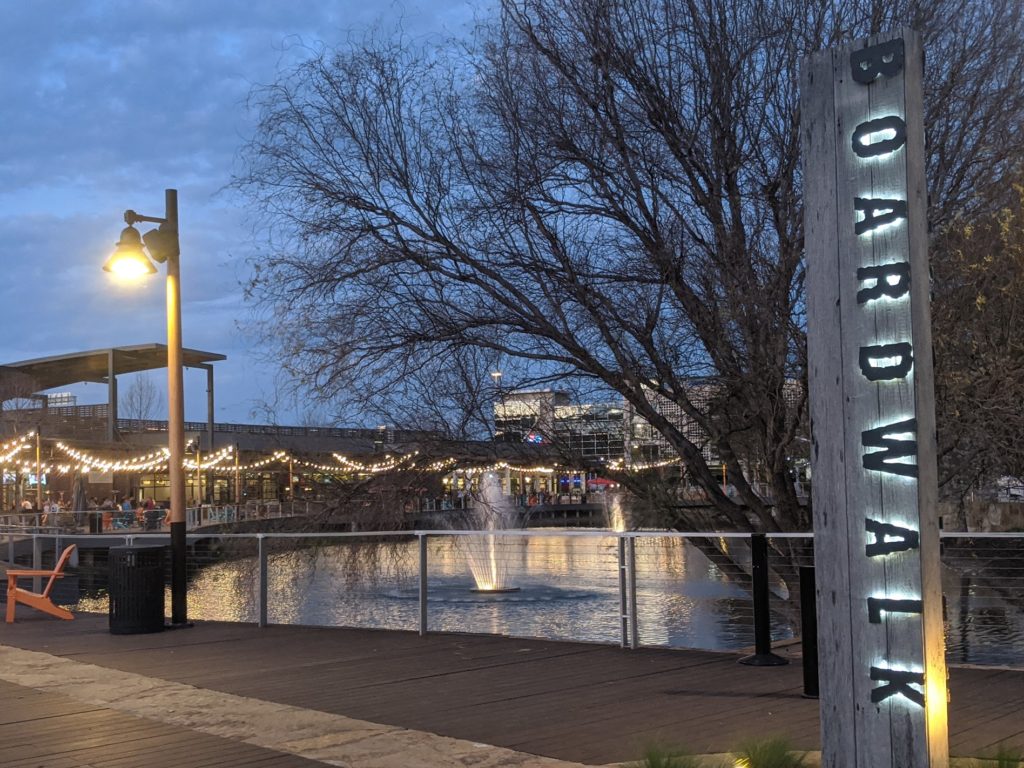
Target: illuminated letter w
895, 447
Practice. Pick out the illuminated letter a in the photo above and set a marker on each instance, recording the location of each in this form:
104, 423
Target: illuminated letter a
905, 538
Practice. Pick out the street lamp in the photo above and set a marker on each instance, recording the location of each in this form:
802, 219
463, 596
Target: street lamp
129, 261
506, 485
496, 376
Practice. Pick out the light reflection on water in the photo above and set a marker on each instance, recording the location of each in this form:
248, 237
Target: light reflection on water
568, 590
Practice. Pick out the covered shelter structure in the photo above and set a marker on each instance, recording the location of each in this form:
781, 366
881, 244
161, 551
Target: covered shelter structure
84, 450
27, 378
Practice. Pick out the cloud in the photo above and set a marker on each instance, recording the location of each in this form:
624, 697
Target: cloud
105, 105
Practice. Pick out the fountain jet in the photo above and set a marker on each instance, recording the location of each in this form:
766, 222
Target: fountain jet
485, 554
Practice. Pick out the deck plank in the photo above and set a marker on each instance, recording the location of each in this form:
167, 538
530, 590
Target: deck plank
589, 703
52, 730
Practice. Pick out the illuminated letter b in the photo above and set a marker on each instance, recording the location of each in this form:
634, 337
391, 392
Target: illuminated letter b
883, 59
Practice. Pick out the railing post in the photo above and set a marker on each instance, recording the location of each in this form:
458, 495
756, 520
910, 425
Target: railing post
763, 656
623, 600
37, 561
423, 584
262, 599
10, 546
634, 629
809, 631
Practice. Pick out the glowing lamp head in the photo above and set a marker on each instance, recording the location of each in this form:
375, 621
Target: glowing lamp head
129, 260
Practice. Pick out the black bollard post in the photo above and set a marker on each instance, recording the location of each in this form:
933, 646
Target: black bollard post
763, 656
809, 631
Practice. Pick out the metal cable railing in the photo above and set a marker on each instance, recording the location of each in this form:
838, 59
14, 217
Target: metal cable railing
645, 588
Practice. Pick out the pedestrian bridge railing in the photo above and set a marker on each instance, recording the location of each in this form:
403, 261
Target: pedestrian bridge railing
151, 520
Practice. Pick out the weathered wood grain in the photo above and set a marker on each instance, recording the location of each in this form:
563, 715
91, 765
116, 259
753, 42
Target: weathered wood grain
845, 402
827, 397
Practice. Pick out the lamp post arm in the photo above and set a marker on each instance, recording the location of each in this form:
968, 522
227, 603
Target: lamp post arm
131, 217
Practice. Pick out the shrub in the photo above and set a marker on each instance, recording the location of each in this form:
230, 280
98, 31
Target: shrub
768, 753
663, 757
1008, 757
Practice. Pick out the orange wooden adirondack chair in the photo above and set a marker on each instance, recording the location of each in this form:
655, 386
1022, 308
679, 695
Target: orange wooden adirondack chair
39, 600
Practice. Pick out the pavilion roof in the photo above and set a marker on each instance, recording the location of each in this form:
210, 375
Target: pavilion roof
93, 365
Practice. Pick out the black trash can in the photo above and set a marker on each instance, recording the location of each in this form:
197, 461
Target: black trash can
95, 522
136, 590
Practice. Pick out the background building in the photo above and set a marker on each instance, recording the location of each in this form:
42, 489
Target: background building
593, 432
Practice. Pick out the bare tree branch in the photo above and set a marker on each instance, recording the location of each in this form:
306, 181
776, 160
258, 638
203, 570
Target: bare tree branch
599, 191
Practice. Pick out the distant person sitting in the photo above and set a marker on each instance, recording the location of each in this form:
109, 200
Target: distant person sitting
127, 516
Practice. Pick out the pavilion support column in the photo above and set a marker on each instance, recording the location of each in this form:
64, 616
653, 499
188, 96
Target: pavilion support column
209, 427
209, 408
238, 479
111, 397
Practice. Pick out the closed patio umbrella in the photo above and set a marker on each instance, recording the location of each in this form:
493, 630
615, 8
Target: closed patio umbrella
79, 498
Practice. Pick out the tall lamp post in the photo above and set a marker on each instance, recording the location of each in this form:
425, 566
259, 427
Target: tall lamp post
496, 376
129, 260
506, 486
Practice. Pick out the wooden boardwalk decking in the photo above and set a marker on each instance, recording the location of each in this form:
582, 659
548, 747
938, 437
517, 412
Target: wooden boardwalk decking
39, 729
587, 703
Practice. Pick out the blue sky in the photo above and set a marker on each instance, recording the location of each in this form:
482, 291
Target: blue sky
106, 104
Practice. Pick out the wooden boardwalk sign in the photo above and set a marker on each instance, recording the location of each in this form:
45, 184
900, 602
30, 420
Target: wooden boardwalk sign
882, 665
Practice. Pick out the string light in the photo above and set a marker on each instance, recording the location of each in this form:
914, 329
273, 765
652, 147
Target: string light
143, 463
541, 470
388, 465
223, 459
213, 461
618, 466
334, 468
440, 465
277, 456
13, 447
44, 469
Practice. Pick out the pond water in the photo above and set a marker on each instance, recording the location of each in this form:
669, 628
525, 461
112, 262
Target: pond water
568, 589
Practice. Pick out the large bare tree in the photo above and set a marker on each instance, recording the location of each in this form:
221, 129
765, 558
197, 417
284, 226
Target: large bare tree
978, 311
141, 400
600, 191
22, 409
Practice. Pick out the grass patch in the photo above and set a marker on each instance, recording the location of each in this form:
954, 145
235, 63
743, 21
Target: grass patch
768, 753
1008, 757
657, 756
